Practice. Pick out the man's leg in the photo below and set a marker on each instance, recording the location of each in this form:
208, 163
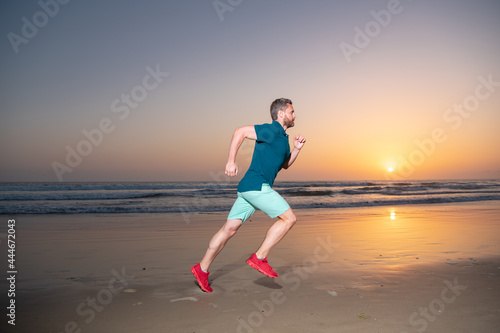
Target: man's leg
276, 232
218, 242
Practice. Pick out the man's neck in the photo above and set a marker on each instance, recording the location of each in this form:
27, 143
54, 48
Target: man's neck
282, 125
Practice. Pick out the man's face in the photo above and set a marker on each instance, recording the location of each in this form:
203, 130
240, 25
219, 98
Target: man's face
289, 117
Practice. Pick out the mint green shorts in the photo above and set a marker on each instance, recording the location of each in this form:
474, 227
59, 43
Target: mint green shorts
267, 200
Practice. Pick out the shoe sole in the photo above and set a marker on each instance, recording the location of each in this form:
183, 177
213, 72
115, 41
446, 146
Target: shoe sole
259, 269
198, 280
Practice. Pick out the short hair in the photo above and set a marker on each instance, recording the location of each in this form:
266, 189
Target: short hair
277, 105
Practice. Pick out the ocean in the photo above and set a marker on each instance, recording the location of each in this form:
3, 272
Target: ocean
189, 197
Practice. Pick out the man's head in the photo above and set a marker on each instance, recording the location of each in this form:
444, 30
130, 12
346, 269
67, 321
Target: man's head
282, 111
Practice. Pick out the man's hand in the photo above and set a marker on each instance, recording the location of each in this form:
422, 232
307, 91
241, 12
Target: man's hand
231, 169
240, 134
299, 141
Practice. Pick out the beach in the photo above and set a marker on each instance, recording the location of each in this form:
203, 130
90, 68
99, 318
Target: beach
132, 130
404, 268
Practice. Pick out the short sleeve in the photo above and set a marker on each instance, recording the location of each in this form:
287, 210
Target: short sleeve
264, 133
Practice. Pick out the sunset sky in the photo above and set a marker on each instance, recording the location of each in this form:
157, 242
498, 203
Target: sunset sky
160, 86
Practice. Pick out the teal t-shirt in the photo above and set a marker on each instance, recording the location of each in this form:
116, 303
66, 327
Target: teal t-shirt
271, 151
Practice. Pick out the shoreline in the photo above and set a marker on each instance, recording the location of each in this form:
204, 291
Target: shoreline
187, 198
486, 202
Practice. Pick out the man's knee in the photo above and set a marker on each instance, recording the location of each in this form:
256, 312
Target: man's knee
231, 227
289, 218
230, 232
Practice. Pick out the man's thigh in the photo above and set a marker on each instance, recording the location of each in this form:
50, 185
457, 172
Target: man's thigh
267, 200
241, 210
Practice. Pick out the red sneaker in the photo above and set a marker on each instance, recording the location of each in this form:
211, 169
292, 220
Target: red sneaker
201, 277
262, 266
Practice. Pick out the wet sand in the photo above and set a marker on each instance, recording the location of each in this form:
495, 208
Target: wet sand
425, 268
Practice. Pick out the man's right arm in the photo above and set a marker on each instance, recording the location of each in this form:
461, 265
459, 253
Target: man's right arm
240, 134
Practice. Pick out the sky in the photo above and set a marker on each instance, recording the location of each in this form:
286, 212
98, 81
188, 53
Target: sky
153, 90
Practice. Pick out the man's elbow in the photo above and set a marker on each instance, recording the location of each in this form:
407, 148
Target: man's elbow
239, 132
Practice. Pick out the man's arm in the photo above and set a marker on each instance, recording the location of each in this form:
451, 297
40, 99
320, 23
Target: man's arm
298, 143
240, 134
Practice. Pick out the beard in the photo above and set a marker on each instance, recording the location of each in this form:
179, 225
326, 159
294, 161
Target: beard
289, 123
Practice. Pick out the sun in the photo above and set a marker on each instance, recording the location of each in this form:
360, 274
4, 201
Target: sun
390, 169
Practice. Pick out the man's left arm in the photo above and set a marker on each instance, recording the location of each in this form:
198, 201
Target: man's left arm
298, 143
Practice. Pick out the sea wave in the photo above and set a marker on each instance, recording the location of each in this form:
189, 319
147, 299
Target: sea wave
211, 206
157, 197
65, 187
108, 195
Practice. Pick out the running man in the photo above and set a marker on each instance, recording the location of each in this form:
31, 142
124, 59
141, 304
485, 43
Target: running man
271, 153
